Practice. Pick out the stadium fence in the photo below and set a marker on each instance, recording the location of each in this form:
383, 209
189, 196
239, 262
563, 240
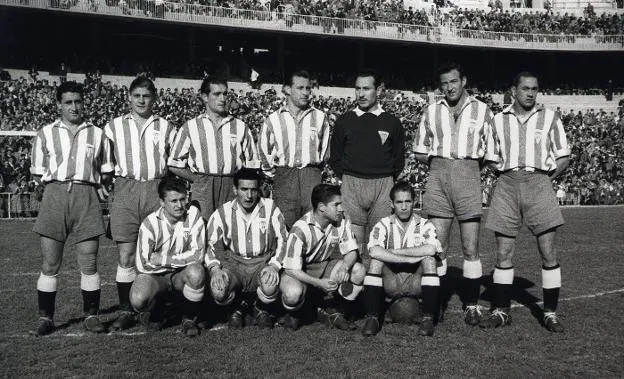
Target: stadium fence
279, 21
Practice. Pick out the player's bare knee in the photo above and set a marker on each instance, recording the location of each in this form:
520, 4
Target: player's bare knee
358, 272
195, 275
126, 260
139, 298
87, 262
269, 289
292, 293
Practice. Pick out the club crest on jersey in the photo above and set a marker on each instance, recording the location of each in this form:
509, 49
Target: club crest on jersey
383, 135
263, 225
89, 149
538, 136
156, 137
233, 140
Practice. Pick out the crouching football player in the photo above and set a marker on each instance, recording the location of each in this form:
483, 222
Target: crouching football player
245, 234
169, 257
402, 247
322, 253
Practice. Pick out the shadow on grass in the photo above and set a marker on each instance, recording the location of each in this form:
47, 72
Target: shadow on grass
519, 294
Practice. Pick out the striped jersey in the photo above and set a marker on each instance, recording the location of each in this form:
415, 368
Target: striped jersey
309, 243
261, 233
58, 154
140, 152
441, 135
289, 142
390, 233
163, 247
534, 143
213, 149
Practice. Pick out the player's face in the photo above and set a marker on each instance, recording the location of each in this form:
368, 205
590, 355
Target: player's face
71, 108
452, 86
174, 205
216, 100
526, 92
142, 101
365, 92
247, 194
333, 209
299, 92
403, 204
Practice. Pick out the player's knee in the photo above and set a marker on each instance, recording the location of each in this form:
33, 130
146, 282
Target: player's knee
195, 275
51, 268
269, 289
376, 267
358, 272
88, 263
292, 293
126, 259
139, 298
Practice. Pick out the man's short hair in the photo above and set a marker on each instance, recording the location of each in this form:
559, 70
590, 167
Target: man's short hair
523, 74
205, 86
377, 79
246, 173
143, 82
171, 183
323, 193
402, 187
288, 80
450, 66
66, 87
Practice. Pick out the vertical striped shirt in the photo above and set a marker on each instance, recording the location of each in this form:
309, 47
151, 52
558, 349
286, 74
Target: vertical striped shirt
390, 233
289, 142
261, 233
440, 135
534, 143
140, 152
309, 243
58, 154
213, 149
163, 247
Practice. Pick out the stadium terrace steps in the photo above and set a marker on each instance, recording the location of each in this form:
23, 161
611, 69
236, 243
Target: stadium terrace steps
565, 102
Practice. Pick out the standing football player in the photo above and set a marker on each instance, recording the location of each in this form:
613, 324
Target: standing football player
71, 157
141, 144
531, 149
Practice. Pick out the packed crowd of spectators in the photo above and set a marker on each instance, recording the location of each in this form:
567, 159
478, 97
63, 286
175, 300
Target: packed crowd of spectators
595, 176
443, 13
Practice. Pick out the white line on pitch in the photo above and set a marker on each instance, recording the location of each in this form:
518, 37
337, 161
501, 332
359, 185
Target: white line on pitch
589, 296
84, 334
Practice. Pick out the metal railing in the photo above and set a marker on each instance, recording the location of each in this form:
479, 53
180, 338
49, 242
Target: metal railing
276, 21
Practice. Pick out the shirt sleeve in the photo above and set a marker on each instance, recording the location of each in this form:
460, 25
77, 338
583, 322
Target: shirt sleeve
108, 164
324, 145
295, 248
266, 147
422, 137
250, 150
337, 147
214, 236
348, 243
378, 236
491, 143
38, 155
558, 139
281, 237
398, 149
145, 249
180, 149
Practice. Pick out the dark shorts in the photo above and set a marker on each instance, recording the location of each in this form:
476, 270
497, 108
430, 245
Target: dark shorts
402, 280
66, 210
453, 189
132, 202
244, 271
366, 201
292, 191
523, 197
210, 192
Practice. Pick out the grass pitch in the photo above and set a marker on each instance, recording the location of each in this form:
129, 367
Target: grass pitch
592, 302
